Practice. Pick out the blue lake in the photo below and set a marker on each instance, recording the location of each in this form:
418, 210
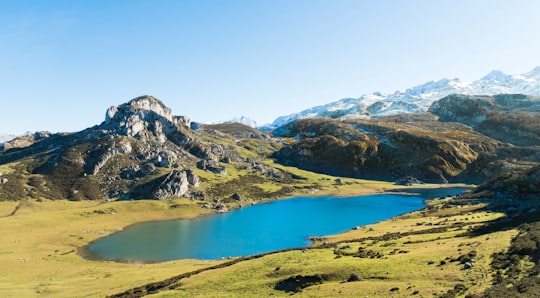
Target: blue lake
255, 229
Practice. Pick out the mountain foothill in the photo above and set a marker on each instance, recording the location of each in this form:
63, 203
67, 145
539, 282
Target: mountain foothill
486, 133
142, 151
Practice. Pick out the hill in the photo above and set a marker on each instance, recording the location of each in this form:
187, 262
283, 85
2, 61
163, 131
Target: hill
481, 244
142, 163
142, 151
461, 139
510, 118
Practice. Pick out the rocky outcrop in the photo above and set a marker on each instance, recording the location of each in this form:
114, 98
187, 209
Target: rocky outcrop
123, 147
521, 184
192, 178
211, 166
126, 156
176, 184
107, 160
386, 149
25, 140
146, 118
408, 181
511, 118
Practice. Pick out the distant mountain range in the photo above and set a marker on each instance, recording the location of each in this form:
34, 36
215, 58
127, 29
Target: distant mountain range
243, 120
419, 98
5, 137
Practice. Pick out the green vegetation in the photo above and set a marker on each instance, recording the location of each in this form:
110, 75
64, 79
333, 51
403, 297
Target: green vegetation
404, 256
58, 194
388, 149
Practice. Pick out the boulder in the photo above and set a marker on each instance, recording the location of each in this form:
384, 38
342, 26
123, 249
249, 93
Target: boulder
130, 172
408, 181
147, 169
211, 166
221, 208
193, 179
176, 184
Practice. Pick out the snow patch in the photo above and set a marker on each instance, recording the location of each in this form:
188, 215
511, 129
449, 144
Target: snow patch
419, 98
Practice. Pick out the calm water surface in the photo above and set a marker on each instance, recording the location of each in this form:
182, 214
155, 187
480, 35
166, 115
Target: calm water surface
255, 229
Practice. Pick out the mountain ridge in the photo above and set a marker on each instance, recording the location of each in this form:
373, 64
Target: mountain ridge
418, 98
6, 137
142, 151
243, 120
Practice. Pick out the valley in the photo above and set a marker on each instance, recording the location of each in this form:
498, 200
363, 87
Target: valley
41, 244
270, 149
60, 192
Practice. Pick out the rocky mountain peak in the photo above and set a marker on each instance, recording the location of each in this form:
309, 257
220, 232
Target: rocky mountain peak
141, 105
243, 120
419, 98
496, 75
5, 137
144, 117
535, 73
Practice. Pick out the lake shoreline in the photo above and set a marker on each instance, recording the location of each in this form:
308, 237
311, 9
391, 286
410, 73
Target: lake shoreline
47, 235
85, 253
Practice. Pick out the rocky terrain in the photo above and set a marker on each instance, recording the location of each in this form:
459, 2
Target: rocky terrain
5, 137
510, 118
419, 98
461, 139
481, 244
140, 151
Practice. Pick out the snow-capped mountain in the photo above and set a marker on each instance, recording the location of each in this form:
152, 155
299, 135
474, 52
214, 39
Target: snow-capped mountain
243, 120
5, 137
420, 98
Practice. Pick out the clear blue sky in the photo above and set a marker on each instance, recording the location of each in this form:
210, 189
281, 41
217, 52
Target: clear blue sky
63, 63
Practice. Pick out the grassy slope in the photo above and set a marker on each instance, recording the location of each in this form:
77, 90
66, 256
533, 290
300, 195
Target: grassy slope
38, 250
39, 245
40, 241
403, 264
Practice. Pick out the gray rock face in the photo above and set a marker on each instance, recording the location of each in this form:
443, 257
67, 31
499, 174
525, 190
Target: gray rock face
146, 118
511, 118
164, 159
211, 166
140, 106
193, 179
474, 109
25, 140
176, 184
122, 147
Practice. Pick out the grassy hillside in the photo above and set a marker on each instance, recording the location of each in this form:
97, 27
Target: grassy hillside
60, 192
422, 253
418, 145
42, 240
